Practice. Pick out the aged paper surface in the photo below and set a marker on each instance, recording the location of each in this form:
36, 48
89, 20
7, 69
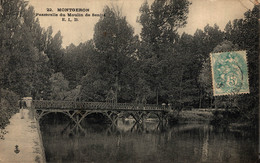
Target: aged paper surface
129, 81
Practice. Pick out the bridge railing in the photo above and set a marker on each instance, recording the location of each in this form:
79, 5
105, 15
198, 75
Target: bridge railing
48, 104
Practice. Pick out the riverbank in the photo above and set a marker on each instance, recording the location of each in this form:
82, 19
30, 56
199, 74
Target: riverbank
195, 116
199, 116
24, 133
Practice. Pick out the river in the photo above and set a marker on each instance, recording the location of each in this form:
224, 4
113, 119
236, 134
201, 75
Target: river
150, 142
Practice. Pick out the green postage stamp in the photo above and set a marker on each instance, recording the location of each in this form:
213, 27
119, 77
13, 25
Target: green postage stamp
229, 73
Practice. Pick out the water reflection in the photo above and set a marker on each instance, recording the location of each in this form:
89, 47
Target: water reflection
148, 142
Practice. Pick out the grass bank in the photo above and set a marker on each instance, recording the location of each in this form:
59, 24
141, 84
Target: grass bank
195, 116
216, 117
192, 116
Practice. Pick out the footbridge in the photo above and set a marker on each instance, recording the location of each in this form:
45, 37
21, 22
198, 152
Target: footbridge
77, 111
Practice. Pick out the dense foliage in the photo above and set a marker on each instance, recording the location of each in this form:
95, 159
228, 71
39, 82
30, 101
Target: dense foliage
8, 107
161, 66
25, 66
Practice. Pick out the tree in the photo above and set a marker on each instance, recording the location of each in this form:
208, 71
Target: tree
23, 58
245, 34
159, 34
54, 50
20, 53
41, 86
59, 86
249, 104
242, 35
205, 76
115, 46
77, 61
23, 69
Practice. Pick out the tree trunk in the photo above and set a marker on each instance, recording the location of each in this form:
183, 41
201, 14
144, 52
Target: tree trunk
215, 102
181, 86
200, 99
157, 98
211, 101
116, 93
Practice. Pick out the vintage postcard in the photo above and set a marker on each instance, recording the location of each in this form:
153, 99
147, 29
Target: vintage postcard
133, 81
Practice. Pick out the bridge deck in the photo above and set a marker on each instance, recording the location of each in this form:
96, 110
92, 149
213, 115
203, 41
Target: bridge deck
73, 105
77, 111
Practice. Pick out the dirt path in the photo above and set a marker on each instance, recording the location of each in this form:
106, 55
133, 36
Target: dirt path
24, 133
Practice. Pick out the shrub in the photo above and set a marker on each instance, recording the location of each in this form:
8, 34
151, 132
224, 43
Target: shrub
8, 106
224, 118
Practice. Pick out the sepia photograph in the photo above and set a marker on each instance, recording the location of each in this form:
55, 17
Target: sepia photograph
129, 81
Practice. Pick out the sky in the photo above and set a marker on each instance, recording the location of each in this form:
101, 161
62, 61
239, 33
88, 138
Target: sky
201, 13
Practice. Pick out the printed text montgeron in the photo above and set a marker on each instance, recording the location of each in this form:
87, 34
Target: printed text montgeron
72, 9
